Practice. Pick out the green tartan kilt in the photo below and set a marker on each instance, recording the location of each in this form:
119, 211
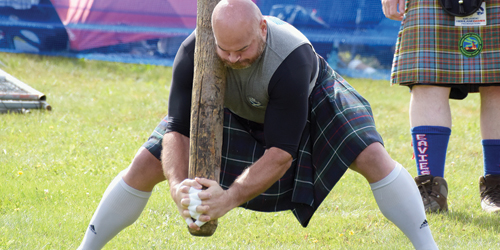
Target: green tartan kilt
340, 126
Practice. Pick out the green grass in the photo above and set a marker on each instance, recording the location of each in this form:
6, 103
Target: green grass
103, 112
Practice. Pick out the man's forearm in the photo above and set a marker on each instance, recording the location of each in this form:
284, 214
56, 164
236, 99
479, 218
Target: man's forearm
175, 158
260, 176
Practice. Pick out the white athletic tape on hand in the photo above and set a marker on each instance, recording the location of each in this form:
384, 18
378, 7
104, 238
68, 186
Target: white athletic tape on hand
193, 208
194, 202
199, 223
192, 211
194, 199
194, 190
189, 221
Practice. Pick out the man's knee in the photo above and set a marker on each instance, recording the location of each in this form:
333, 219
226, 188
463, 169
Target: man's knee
144, 172
374, 163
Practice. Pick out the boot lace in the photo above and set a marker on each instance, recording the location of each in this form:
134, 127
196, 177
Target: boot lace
425, 188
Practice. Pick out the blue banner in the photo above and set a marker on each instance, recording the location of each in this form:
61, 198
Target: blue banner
354, 36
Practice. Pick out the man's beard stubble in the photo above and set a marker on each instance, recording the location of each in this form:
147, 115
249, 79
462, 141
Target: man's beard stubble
247, 62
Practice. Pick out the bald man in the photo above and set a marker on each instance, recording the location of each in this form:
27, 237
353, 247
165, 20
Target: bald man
292, 128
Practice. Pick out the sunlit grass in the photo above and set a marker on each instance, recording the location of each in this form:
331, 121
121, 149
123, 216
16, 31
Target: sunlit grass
55, 166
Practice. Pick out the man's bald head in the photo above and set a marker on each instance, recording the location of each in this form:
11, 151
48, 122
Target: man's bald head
240, 32
236, 15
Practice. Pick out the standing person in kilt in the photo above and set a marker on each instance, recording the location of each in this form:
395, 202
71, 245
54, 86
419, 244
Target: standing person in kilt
441, 54
292, 128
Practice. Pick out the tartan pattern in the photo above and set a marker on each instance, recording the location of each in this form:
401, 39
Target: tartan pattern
427, 48
153, 144
339, 128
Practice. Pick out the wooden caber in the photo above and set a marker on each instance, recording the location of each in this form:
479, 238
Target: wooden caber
207, 109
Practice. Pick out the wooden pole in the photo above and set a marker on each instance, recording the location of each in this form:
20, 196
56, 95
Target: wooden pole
207, 107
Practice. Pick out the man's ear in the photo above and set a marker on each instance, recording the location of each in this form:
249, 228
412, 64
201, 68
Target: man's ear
263, 27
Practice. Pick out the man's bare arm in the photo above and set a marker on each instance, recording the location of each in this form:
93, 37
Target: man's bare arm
175, 158
252, 182
260, 176
175, 163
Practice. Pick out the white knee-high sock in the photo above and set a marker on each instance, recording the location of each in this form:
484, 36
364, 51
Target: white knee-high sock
120, 206
399, 200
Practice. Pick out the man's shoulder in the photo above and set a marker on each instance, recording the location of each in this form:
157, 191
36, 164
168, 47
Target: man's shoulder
190, 41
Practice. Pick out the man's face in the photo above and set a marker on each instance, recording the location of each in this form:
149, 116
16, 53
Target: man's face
241, 55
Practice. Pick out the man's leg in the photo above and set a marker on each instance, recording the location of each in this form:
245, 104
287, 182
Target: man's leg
430, 120
489, 184
123, 200
396, 194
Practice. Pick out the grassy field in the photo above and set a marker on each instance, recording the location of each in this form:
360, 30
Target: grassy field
55, 166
